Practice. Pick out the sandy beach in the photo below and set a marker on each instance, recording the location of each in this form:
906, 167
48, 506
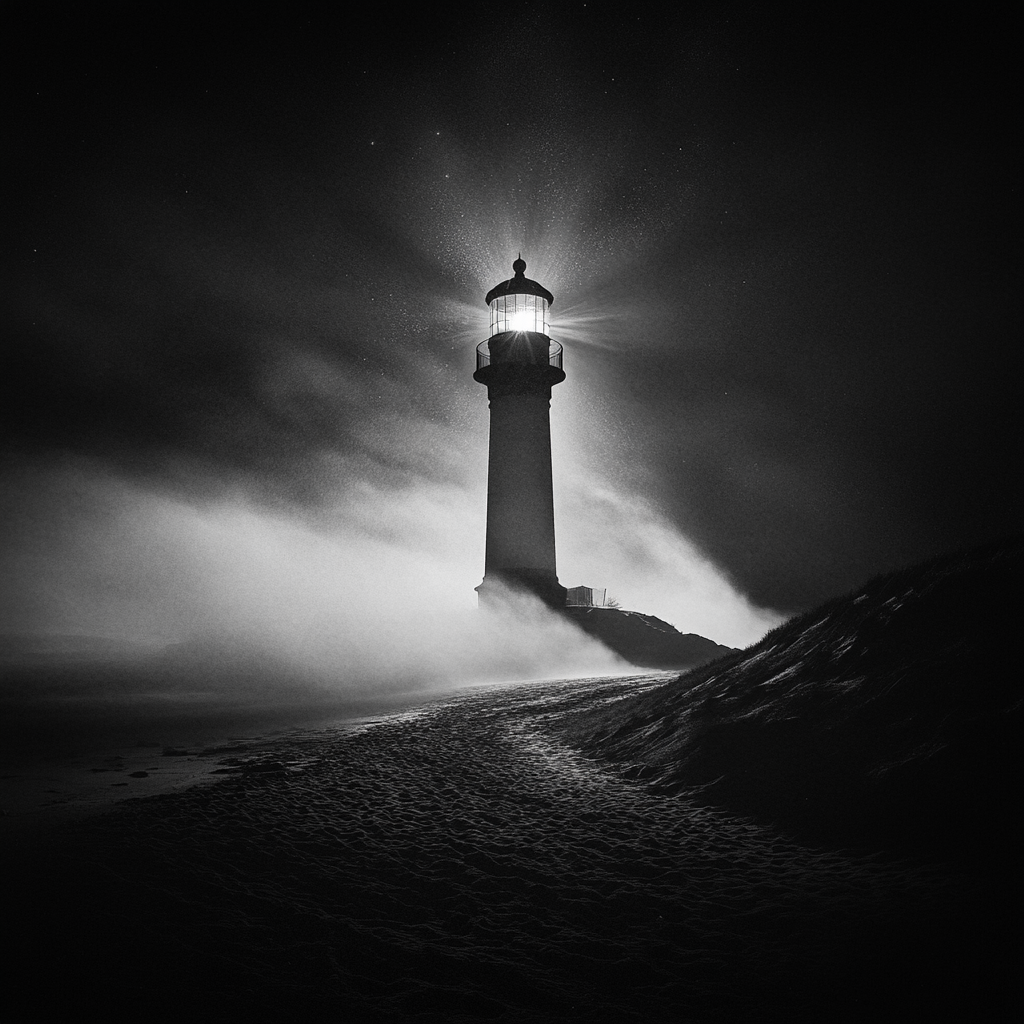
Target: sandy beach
457, 862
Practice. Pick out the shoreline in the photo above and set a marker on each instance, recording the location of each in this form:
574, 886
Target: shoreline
40, 793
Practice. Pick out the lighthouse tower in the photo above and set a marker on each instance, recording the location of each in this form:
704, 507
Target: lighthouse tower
520, 364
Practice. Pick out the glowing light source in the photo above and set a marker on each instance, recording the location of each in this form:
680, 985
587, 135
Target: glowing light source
519, 312
523, 320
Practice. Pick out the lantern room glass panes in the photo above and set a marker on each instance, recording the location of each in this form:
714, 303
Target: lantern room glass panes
519, 313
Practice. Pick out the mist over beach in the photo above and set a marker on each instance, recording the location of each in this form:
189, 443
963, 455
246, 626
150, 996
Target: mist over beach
70, 692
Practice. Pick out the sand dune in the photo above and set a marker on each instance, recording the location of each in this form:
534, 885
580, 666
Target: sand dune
889, 718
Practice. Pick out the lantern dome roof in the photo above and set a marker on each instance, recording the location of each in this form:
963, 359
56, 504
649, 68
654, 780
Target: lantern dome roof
519, 285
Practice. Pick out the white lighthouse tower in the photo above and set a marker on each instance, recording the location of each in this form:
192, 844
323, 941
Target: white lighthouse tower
520, 364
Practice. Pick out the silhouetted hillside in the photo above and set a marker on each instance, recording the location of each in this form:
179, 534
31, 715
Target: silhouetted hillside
885, 719
644, 640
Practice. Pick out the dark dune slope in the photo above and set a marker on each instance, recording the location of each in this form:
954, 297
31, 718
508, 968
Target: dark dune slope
644, 640
887, 719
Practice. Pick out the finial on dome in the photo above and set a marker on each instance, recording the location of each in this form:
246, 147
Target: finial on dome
519, 285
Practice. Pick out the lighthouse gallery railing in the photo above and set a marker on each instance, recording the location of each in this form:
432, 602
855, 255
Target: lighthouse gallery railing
521, 348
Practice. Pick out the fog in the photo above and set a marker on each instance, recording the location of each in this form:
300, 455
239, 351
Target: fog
368, 593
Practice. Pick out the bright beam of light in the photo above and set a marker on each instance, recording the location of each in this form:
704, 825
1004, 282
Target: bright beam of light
523, 320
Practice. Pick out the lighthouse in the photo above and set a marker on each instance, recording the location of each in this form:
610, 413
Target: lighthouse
519, 364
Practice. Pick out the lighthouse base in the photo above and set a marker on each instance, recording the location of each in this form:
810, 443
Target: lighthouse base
497, 587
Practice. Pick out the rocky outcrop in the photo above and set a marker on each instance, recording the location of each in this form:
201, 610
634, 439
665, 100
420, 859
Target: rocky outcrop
644, 640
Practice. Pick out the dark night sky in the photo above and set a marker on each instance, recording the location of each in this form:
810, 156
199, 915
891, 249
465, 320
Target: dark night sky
244, 260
